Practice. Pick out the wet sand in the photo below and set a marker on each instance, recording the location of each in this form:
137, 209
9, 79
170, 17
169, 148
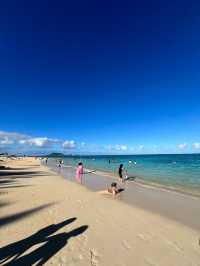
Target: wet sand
180, 207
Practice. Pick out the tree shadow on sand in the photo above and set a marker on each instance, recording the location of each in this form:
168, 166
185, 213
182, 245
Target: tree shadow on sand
52, 244
17, 216
21, 173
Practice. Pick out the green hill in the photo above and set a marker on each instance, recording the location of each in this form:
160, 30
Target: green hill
55, 154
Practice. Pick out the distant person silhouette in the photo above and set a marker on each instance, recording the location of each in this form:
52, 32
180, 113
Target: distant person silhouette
60, 162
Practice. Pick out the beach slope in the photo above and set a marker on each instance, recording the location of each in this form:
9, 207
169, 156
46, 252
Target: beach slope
45, 218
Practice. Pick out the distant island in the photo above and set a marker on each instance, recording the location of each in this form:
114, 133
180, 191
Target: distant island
55, 154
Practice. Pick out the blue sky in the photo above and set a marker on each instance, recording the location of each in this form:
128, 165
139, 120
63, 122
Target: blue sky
100, 77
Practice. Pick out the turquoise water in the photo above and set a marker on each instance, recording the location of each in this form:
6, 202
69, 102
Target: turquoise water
177, 170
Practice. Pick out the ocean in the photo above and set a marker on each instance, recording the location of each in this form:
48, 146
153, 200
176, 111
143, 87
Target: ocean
173, 171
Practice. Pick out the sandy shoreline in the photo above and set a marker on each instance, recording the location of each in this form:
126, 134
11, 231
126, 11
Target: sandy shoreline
174, 205
141, 181
105, 232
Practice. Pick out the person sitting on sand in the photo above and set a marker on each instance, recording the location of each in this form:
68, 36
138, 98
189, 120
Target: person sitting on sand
113, 188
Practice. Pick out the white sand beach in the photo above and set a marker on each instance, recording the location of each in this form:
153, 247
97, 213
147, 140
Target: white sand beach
46, 218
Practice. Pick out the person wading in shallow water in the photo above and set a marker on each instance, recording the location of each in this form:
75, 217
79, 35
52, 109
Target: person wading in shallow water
60, 163
79, 172
120, 172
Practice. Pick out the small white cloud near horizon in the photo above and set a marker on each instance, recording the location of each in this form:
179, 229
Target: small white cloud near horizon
117, 147
196, 145
141, 147
69, 144
6, 141
41, 142
12, 135
182, 146
121, 147
108, 147
9, 138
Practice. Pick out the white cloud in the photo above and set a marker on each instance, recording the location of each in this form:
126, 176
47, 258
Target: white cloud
117, 147
182, 146
39, 142
120, 147
8, 138
69, 144
141, 147
12, 135
108, 147
196, 145
6, 141
26, 141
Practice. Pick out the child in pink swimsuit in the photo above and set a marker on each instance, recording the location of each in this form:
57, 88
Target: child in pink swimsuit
79, 173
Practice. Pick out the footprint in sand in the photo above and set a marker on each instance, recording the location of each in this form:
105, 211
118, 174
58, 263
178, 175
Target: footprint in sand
174, 245
84, 240
125, 245
80, 257
80, 203
94, 257
144, 237
150, 262
63, 260
75, 260
50, 212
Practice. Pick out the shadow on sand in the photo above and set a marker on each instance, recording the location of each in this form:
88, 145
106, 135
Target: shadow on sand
131, 178
4, 203
2, 167
17, 216
12, 254
21, 173
9, 178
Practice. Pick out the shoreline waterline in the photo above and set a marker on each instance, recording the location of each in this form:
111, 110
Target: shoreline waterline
184, 190
181, 207
177, 172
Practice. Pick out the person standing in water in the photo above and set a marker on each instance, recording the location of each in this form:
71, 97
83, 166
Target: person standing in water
120, 172
60, 162
79, 172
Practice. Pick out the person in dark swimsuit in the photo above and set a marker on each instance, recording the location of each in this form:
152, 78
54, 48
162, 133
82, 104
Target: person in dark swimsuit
120, 172
60, 163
